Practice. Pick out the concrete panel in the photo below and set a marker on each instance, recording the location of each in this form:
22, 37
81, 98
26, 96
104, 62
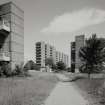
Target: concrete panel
17, 20
17, 56
6, 47
17, 47
17, 29
17, 38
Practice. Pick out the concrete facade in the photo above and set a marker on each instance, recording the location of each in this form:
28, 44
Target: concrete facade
80, 41
57, 56
47, 51
72, 56
13, 41
40, 54
62, 57
44, 51
75, 47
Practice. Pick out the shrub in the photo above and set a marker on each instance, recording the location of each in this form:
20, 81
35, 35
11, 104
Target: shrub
30, 65
5, 69
61, 66
68, 69
20, 71
1, 72
54, 68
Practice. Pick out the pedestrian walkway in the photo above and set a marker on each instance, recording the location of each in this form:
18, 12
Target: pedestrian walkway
63, 78
65, 94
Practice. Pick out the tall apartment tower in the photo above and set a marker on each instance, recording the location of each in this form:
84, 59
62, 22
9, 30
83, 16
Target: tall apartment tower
80, 41
65, 59
75, 47
53, 53
57, 56
11, 34
40, 54
73, 56
47, 51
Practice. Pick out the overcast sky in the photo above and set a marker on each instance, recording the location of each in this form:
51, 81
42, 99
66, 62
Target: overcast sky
58, 21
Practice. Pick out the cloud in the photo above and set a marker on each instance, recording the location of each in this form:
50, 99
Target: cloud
76, 20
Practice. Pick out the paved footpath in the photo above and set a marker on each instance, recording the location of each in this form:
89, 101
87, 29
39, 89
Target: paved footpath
65, 94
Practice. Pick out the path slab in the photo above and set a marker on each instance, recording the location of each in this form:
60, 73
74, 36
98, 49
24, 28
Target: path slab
65, 94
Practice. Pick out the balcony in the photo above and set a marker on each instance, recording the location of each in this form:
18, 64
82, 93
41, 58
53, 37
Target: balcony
4, 27
4, 56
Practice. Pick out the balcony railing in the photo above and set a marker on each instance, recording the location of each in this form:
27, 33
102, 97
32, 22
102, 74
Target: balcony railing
4, 26
4, 56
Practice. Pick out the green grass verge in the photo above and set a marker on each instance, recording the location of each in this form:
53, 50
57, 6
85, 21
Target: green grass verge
26, 91
89, 88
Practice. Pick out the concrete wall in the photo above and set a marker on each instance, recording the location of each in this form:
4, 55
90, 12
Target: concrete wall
17, 35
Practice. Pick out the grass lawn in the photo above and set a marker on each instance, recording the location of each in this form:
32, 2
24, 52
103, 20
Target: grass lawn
89, 89
27, 90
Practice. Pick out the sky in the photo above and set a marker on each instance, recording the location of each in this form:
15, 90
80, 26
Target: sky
57, 22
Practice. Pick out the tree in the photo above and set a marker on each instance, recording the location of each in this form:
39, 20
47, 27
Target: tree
49, 61
92, 55
30, 65
6, 69
60, 65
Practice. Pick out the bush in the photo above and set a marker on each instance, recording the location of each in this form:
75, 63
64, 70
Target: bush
60, 66
5, 69
30, 65
54, 68
68, 69
20, 70
1, 72
97, 69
